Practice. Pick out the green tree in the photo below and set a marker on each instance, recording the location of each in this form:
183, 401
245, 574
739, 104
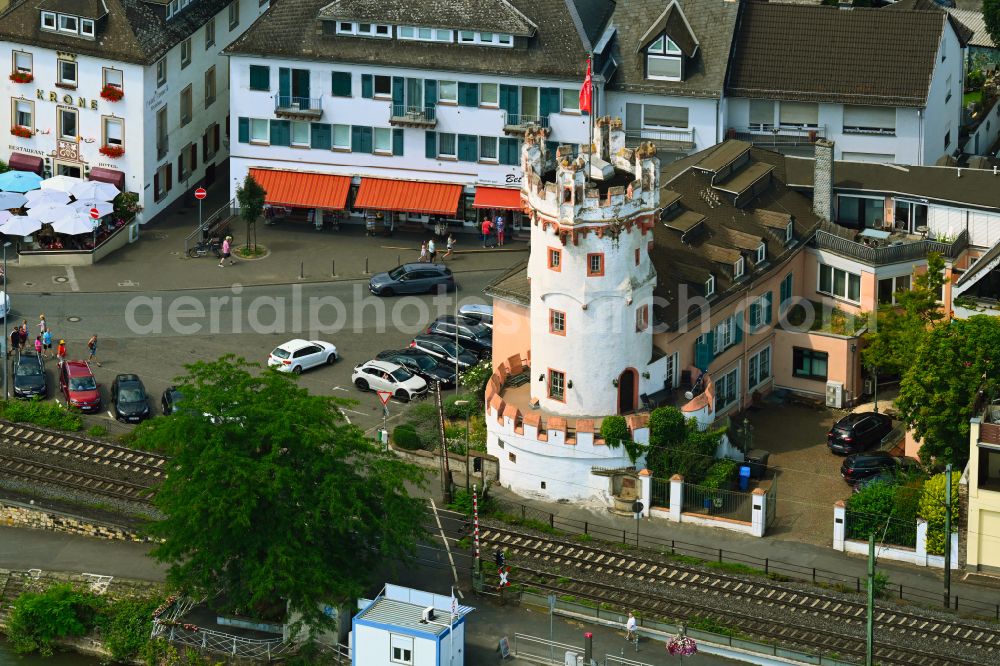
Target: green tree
939, 391
932, 509
991, 17
271, 496
677, 446
250, 197
3, 167
893, 342
41, 618
615, 432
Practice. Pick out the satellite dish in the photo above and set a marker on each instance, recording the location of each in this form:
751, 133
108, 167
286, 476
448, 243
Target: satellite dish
688, 395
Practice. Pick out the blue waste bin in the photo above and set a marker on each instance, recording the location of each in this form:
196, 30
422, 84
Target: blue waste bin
744, 477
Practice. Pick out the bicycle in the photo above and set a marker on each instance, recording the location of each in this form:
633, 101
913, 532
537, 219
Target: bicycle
203, 248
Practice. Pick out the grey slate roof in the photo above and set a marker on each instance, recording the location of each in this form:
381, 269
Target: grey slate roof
973, 20
824, 54
712, 23
512, 286
93, 9
593, 16
963, 31
291, 28
495, 15
133, 32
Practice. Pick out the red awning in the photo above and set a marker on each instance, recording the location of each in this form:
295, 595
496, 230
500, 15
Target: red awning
295, 189
23, 162
113, 176
408, 196
497, 197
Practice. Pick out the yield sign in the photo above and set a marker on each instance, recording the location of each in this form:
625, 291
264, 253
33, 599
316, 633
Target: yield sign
384, 397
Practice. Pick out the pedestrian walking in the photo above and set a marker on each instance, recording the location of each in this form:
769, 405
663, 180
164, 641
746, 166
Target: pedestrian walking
486, 229
431, 250
423, 252
22, 338
501, 227
38, 345
42, 324
61, 352
15, 340
47, 343
227, 250
630, 632
92, 346
449, 246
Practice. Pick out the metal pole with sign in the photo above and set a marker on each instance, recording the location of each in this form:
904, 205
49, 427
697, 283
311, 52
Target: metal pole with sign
552, 610
384, 396
200, 194
6, 304
637, 508
95, 215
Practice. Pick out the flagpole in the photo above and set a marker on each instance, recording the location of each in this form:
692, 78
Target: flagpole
590, 138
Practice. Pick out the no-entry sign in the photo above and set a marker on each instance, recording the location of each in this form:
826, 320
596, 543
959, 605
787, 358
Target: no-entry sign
200, 193
95, 214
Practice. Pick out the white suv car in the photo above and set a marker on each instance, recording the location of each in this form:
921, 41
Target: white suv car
298, 355
386, 376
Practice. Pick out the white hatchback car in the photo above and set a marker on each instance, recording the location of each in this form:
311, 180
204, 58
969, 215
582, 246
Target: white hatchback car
386, 376
298, 355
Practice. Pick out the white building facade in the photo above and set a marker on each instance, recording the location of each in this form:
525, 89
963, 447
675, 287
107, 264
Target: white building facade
147, 114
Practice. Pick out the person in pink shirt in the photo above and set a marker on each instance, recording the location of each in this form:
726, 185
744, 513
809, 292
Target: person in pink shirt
38, 345
227, 248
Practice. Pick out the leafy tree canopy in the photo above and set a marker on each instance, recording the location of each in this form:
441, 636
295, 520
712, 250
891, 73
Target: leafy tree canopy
271, 495
991, 17
676, 446
250, 196
939, 391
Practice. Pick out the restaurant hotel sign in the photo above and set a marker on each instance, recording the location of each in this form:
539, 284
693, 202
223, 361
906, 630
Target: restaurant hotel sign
66, 99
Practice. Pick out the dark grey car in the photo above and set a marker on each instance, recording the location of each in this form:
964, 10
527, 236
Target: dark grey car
29, 376
420, 278
474, 336
444, 349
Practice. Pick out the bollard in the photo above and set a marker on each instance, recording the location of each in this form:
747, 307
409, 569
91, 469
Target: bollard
302, 269
397, 260
366, 265
333, 268
588, 648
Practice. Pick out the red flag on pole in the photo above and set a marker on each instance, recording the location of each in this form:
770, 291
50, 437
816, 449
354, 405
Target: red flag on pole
585, 91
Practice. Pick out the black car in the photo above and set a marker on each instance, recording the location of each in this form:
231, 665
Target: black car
421, 364
420, 278
858, 432
860, 466
129, 398
29, 376
473, 336
443, 348
169, 400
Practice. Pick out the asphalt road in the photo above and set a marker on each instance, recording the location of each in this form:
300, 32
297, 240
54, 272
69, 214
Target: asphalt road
155, 334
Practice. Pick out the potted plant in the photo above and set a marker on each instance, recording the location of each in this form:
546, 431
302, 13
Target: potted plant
22, 77
112, 93
21, 131
111, 151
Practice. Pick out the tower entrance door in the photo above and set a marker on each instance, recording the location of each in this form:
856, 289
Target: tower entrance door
628, 386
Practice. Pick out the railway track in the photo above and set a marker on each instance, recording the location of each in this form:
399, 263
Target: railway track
82, 463
642, 572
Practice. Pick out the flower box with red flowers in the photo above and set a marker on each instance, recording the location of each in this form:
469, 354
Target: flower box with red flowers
22, 77
112, 93
111, 151
21, 131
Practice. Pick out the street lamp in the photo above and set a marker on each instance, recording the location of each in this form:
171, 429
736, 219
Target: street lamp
468, 470
6, 307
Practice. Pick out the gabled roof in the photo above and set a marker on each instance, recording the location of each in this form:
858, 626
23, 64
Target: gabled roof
673, 22
973, 20
976, 271
133, 32
963, 31
591, 18
93, 9
815, 53
710, 24
490, 15
557, 49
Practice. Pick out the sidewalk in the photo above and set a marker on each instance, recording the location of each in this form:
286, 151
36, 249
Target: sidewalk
298, 253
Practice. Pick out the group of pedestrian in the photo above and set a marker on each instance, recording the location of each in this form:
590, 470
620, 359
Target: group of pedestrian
428, 250
43, 342
493, 231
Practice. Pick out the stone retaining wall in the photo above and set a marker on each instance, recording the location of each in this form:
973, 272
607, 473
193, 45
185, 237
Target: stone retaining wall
14, 514
456, 462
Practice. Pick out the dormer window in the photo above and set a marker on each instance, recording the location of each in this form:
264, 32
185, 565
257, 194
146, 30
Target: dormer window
48, 21
789, 232
423, 34
664, 60
710, 285
68, 23
87, 27
738, 268
761, 253
364, 29
485, 38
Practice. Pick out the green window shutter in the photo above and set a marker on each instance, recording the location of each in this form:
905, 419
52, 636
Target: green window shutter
468, 94
367, 86
467, 147
281, 133
285, 84
430, 92
321, 136
509, 152
431, 145
549, 101
703, 351
767, 308
367, 139
737, 329
397, 91
356, 138
341, 84
509, 98
550, 148
244, 132
260, 77
754, 315
786, 292
397, 141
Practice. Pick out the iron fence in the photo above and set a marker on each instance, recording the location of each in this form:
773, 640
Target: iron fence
525, 120
858, 525
731, 504
661, 493
424, 114
772, 502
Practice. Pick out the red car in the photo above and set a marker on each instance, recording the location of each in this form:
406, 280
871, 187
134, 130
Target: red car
79, 387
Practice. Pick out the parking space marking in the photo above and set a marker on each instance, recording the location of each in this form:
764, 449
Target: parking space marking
110, 415
71, 278
339, 388
344, 414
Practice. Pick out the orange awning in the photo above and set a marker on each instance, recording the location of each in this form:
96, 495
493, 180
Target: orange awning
408, 196
303, 190
497, 197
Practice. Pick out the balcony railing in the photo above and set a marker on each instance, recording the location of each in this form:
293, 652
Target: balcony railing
778, 136
664, 139
515, 123
889, 254
413, 116
298, 107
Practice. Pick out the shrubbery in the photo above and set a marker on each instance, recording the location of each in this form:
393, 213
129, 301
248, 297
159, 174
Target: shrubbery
721, 474
932, 509
45, 414
886, 509
455, 412
405, 437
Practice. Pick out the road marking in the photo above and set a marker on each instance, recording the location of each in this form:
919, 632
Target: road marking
344, 414
71, 277
447, 547
109, 415
338, 388
392, 417
353, 411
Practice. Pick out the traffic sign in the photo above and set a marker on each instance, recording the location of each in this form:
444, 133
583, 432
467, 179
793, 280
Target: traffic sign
200, 193
95, 214
637, 507
384, 397
504, 573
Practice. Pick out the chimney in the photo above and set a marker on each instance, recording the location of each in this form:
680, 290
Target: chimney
823, 180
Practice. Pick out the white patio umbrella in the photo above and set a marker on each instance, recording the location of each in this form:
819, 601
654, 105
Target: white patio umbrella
93, 189
11, 200
4, 216
84, 205
20, 225
75, 224
49, 213
60, 183
40, 197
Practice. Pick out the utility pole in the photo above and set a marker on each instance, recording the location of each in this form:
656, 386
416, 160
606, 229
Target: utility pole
875, 377
6, 304
947, 536
468, 469
870, 614
446, 477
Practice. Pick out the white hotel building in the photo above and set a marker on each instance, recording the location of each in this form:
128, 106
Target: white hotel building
133, 92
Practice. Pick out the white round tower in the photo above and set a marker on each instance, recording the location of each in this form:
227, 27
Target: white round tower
591, 275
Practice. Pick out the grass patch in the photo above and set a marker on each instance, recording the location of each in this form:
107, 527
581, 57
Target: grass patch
973, 96
583, 537
45, 414
531, 523
734, 567
465, 543
713, 626
251, 251
97, 431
